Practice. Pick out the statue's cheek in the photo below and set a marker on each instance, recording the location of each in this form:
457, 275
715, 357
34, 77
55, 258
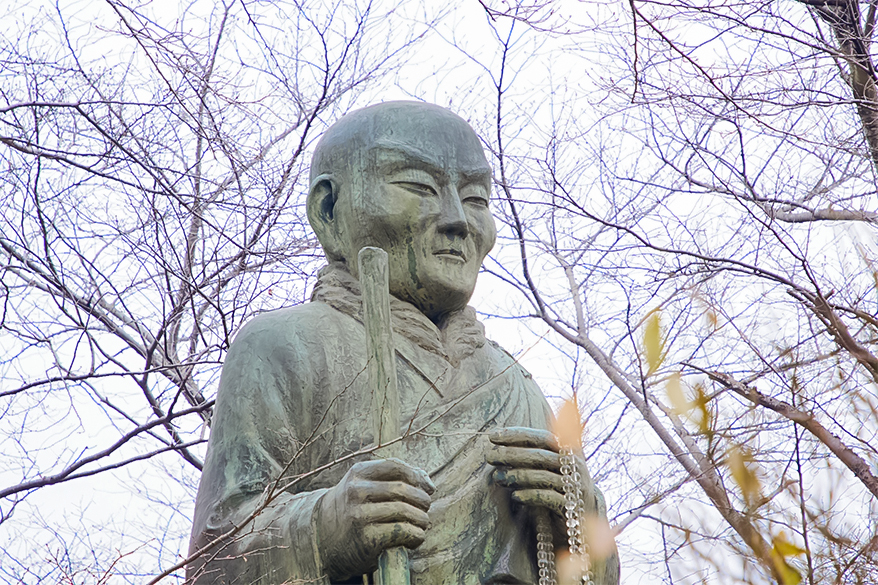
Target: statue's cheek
413, 264
484, 232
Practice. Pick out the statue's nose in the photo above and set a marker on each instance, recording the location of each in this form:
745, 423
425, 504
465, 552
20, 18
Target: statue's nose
452, 220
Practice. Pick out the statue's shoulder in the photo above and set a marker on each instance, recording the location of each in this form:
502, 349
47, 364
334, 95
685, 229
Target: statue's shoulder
282, 348
540, 413
506, 359
305, 322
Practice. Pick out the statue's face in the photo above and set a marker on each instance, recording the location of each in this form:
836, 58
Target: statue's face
420, 190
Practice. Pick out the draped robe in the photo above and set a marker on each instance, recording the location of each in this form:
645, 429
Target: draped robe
293, 414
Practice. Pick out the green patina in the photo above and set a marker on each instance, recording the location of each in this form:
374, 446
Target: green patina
294, 398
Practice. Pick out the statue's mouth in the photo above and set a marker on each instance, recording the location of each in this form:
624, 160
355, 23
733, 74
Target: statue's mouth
448, 253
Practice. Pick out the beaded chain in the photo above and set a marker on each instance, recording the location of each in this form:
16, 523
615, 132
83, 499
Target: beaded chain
573, 512
545, 551
573, 509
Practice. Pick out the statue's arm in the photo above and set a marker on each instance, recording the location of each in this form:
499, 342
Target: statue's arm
607, 570
251, 522
284, 530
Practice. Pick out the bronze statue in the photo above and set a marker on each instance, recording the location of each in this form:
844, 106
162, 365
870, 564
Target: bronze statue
292, 421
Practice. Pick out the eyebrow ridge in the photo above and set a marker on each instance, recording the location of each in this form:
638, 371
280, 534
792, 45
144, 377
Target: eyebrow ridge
426, 161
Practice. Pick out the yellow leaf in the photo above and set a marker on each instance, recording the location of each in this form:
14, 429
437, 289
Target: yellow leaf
652, 342
738, 461
678, 400
568, 425
788, 575
705, 420
784, 547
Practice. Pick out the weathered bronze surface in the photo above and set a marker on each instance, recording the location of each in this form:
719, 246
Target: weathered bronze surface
291, 492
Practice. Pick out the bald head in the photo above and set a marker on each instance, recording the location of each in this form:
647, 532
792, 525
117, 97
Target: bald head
426, 129
410, 178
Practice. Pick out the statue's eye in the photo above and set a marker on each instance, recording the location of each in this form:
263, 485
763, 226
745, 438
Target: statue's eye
416, 188
479, 201
474, 195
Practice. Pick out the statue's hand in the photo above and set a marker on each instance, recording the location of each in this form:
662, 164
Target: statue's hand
377, 505
528, 462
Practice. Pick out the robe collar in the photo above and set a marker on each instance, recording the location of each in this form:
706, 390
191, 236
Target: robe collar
461, 335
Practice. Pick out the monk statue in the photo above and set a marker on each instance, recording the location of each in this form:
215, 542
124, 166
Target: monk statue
292, 490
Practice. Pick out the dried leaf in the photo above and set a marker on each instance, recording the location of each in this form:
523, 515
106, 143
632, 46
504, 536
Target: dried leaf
569, 568
788, 575
568, 425
674, 388
705, 418
599, 536
712, 319
653, 343
739, 462
784, 547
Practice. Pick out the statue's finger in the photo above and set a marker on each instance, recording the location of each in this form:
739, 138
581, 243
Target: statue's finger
392, 512
395, 470
525, 437
521, 457
529, 479
393, 491
388, 535
549, 499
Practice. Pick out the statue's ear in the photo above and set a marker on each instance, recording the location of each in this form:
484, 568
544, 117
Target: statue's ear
321, 214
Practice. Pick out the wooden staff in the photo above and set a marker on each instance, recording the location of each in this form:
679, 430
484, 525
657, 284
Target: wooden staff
393, 564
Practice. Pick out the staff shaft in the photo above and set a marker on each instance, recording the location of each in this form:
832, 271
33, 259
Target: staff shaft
393, 566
